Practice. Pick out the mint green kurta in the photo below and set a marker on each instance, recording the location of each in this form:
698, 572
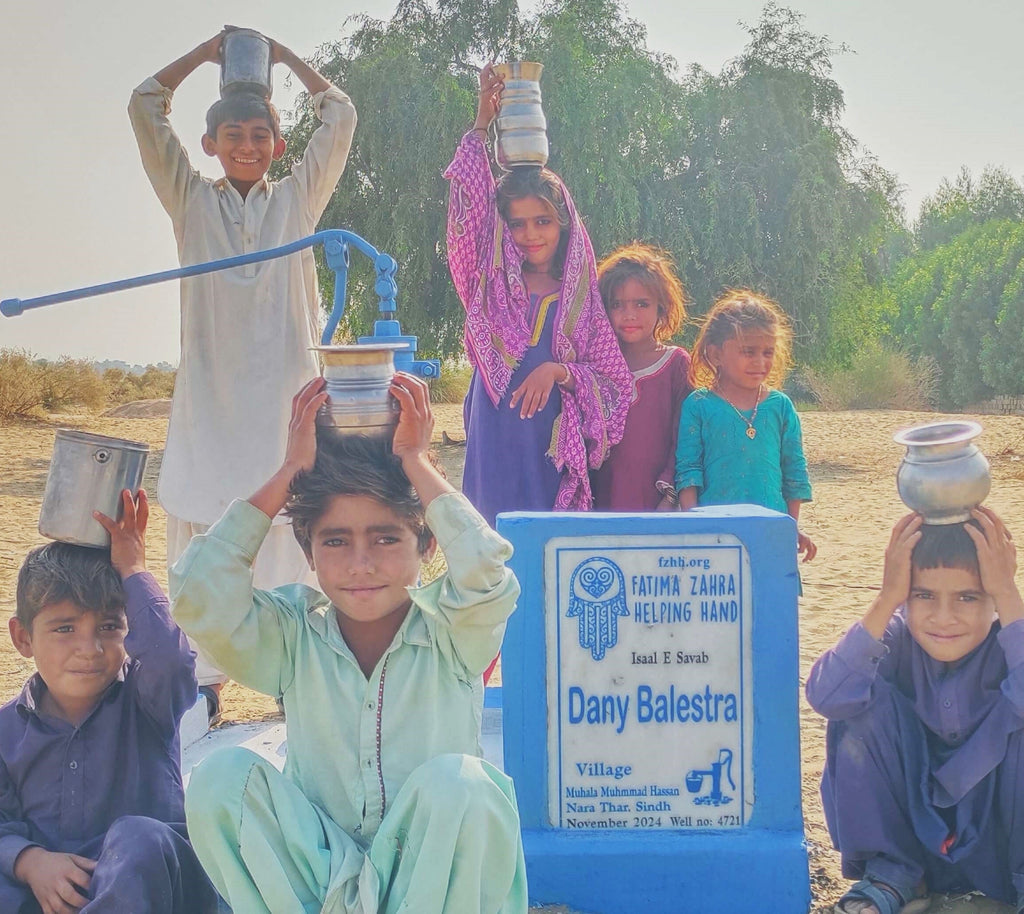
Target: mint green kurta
353, 743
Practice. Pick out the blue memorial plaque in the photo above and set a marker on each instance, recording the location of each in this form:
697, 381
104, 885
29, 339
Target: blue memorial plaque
650, 687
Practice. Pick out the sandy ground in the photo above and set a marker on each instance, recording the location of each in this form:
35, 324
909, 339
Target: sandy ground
852, 460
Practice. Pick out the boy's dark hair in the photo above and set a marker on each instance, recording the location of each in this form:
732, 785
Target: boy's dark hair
533, 181
242, 106
61, 571
354, 465
946, 546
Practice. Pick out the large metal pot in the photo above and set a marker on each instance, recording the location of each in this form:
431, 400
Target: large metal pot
246, 63
87, 473
943, 475
358, 384
520, 127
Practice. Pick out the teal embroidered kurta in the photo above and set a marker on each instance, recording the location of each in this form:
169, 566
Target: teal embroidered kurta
714, 453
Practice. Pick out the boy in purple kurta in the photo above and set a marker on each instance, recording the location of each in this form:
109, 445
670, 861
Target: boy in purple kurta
91, 801
923, 787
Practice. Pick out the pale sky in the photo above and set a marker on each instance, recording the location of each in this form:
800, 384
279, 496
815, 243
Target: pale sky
933, 85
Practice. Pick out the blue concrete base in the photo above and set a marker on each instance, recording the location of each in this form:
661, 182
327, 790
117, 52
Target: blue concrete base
730, 872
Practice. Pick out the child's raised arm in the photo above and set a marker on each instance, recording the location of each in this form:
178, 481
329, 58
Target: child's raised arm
896, 575
411, 442
164, 679
313, 81
300, 453
128, 535
997, 563
471, 208
175, 73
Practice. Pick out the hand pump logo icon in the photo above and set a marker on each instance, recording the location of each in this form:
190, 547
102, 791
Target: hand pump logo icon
597, 597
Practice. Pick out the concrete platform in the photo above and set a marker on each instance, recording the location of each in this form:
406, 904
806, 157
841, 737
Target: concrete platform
269, 739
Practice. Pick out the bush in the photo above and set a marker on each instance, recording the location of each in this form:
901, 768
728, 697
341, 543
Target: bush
69, 383
21, 387
124, 387
453, 385
31, 386
878, 378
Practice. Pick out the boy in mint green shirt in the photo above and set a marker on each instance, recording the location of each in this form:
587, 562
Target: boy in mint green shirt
384, 804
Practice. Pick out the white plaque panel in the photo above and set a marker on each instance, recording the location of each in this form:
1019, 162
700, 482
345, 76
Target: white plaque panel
650, 718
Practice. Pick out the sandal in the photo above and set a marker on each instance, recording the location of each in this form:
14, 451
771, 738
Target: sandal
885, 898
213, 709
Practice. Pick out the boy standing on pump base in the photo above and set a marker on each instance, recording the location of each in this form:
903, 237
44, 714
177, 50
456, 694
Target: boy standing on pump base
923, 787
91, 803
245, 332
384, 805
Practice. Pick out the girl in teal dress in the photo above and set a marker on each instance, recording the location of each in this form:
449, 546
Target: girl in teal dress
739, 439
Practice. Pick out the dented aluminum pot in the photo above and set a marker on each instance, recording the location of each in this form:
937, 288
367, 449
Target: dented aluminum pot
87, 473
246, 63
521, 130
358, 383
943, 474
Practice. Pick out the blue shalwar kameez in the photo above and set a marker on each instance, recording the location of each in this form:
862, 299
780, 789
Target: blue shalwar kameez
924, 776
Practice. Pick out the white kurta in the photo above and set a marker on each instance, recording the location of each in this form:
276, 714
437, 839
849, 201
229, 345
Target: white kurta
245, 332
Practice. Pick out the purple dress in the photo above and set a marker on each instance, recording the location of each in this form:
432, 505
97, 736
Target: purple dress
508, 467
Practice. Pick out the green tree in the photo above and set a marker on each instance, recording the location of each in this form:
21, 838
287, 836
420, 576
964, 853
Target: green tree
966, 201
963, 304
775, 197
413, 82
747, 176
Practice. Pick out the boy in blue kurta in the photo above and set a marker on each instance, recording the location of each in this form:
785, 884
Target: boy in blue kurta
924, 775
384, 804
91, 803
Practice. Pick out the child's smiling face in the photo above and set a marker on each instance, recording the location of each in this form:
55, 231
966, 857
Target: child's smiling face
535, 230
948, 612
745, 360
365, 555
245, 150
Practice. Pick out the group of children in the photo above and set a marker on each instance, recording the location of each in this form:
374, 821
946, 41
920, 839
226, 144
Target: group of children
574, 372
384, 804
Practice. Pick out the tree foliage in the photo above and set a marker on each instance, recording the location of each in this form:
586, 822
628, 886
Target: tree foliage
962, 303
746, 176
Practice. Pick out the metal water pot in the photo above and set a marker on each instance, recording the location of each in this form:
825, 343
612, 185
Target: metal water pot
943, 475
246, 63
521, 136
87, 473
358, 383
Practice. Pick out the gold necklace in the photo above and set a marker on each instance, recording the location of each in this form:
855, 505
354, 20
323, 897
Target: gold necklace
751, 431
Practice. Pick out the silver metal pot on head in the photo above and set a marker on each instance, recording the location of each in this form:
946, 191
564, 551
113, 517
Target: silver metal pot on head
87, 473
358, 383
943, 474
246, 63
521, 130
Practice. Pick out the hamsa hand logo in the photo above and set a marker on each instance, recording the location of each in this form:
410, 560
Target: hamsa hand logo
597, 597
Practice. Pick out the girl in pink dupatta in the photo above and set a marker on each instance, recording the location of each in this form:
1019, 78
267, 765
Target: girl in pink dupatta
550, 389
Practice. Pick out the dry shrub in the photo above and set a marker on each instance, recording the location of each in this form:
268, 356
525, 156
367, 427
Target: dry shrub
124, 387
71, 382
31, 386
21, 388
878, 378
453, 385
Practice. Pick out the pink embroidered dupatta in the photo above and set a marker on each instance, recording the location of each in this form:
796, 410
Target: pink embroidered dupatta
486, 267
